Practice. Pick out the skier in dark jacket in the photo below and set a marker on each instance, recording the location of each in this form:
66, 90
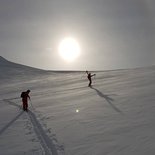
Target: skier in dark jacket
25, 96
89, 76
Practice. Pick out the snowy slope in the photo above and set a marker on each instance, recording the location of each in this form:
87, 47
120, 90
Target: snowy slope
10, 71
114, 117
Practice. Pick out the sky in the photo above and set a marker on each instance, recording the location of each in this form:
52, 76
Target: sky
111, 34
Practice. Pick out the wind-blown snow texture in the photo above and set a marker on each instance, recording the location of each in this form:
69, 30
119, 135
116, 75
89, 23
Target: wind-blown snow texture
114, 117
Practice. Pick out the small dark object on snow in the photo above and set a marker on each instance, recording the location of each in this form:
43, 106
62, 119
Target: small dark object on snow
25, 96
89, 76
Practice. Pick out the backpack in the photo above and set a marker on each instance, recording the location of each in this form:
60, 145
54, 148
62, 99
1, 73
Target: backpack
22, 94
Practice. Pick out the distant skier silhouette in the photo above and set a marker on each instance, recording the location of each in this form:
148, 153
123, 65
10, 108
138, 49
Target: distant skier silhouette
25, 96
89, 76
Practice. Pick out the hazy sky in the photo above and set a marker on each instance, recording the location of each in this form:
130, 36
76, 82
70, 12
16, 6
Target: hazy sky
111, 33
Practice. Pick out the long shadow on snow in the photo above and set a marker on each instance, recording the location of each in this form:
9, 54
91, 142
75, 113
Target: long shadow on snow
108, 99
14, 119
10, 123
46, 142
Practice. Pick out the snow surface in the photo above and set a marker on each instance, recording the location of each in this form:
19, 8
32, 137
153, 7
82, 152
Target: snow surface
114, 117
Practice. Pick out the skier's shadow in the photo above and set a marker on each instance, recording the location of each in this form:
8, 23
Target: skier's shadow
14, 119
108, 99
10, 123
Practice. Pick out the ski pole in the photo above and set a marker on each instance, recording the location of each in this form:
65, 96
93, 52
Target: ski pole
32, 105
94, 78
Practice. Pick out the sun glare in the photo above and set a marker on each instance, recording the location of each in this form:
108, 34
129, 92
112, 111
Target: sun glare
69, 49
77, 110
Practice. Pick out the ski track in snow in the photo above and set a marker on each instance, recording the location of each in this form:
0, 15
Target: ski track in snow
51, 147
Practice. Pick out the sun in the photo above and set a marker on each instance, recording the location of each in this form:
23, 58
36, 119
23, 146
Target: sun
69, 49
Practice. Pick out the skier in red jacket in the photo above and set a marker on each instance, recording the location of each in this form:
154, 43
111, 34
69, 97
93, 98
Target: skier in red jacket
89, 75
25, 96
